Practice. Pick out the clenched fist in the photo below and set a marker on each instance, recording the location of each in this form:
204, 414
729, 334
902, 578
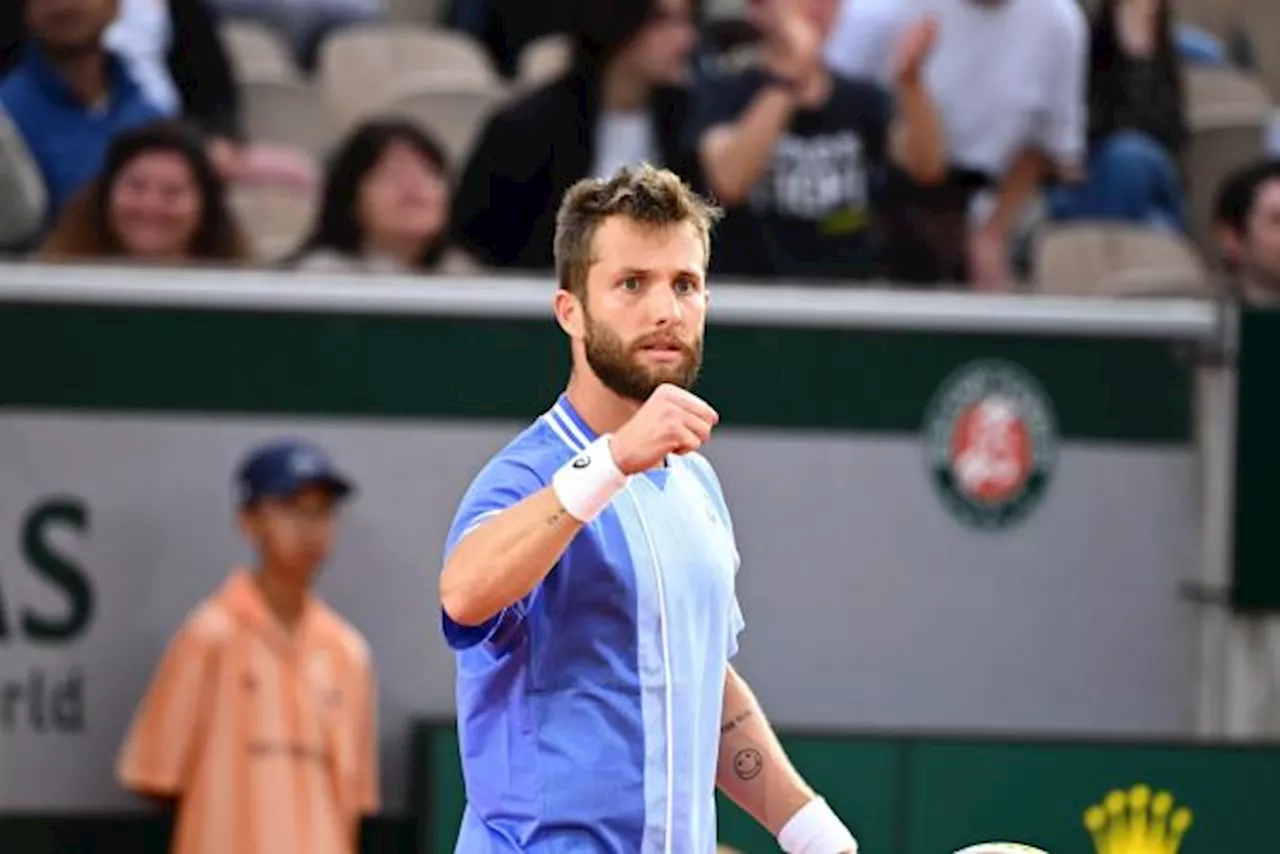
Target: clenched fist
671, 421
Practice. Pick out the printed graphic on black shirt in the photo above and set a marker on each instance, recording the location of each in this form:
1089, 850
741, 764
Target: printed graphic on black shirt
822, 179
810, 214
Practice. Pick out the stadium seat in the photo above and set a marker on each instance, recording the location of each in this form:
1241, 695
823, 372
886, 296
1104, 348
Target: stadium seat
1210, 89
1115, 259
274, 219
415, 11
1227, 113
542, 60
1214, 152
257, 53
289, 113
1261, 20
453, 111
1219, 17
360, 66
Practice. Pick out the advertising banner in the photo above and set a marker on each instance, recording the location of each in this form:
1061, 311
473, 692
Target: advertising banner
975, 531
938, 795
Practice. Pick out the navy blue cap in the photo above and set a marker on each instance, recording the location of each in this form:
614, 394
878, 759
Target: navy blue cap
285, 467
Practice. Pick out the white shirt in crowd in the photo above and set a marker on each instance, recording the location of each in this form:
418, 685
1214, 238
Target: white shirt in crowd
1004, 74
140, 36
624, 139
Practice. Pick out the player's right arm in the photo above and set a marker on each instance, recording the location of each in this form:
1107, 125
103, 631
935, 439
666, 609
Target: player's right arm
501, 558
501, 561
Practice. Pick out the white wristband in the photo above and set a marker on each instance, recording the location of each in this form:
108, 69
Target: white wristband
587, 483
815, 829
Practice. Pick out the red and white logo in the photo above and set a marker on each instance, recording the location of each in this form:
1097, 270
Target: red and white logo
990, 443
991, 450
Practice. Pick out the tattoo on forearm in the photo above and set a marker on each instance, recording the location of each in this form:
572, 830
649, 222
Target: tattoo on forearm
554, 518
732, 724
748, 763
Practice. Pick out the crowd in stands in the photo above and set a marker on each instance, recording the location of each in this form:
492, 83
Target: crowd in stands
1117, 146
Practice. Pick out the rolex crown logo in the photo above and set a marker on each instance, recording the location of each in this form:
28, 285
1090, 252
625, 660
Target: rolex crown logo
1137, 822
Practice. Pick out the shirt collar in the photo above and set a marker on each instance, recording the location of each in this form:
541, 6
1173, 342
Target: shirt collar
243, 598
566, 423
35, 63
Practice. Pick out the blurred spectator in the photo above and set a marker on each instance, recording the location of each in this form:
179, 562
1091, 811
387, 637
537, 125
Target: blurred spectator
173, 49
1197, 46
1136, 125
157, 201
23, 199
260, 724
195, 81
174, 53
1008, 77
385, 204
69, 97
863, 38
1247, 221
506, 27
622, 103
304, 24
793, 151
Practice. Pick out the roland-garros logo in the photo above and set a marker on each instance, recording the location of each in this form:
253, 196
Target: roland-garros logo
991, 443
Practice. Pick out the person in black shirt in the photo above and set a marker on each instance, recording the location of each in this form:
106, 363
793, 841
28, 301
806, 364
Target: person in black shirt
1137, 124
793, 151
623, 102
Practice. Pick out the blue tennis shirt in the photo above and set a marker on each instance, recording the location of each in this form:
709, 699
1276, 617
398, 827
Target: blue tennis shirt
589, 712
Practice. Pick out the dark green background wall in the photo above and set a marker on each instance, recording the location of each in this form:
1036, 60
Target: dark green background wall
901, 796
1257, 548
936, 795
169, 360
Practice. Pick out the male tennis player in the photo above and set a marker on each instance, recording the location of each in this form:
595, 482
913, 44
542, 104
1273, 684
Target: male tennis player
588, 584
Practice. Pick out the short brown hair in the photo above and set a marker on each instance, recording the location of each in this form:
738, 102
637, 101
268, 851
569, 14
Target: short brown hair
644, 194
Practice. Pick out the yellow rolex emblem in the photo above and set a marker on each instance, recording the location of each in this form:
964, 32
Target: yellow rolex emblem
1137, 822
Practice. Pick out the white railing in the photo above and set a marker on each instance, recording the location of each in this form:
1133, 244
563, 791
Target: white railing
739, 304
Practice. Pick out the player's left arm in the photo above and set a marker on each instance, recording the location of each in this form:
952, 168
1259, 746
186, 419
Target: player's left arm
754, 772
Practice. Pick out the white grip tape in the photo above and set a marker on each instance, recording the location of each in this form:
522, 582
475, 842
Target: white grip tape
587, 483
816, 829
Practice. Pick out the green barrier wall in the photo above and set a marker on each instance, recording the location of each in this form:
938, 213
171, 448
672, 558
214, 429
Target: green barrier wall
1257, 550
936, 795
852, 776
155, 359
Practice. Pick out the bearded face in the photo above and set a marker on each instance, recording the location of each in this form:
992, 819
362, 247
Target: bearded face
633, 369
642, 312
